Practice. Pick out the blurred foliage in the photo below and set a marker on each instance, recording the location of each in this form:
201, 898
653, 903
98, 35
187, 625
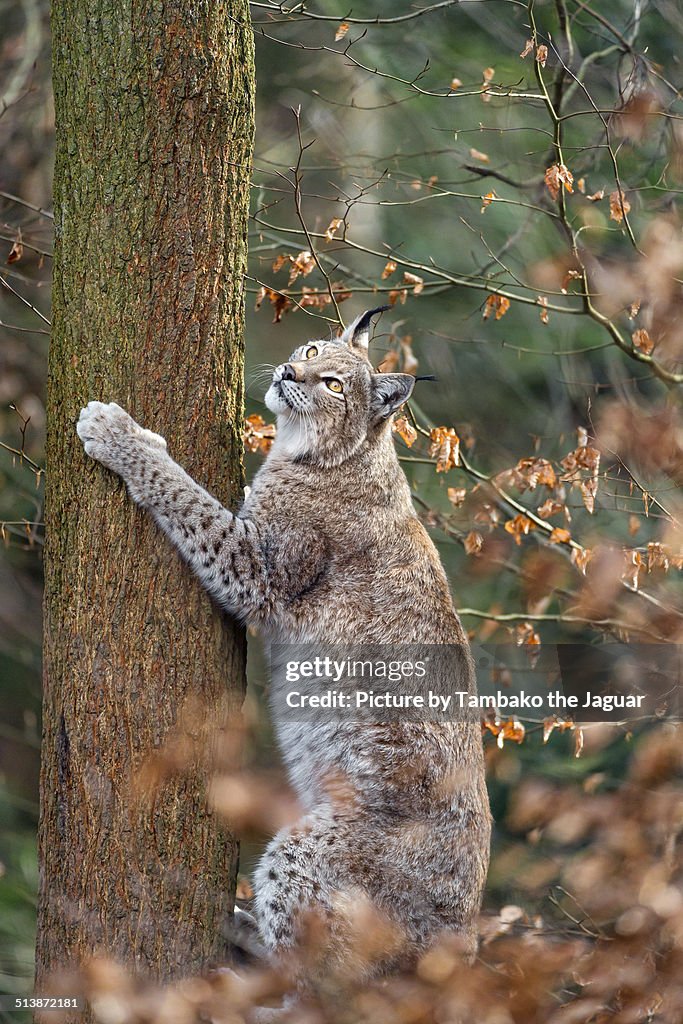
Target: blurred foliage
427, 144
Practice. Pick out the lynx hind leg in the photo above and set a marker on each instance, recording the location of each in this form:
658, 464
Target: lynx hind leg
313, 914
243, 935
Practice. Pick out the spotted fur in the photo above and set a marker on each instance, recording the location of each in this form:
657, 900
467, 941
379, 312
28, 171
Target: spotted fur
327, 549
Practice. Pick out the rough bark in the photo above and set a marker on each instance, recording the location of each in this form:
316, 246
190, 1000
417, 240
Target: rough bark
154, 117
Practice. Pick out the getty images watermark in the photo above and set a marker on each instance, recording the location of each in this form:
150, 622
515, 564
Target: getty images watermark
444, 682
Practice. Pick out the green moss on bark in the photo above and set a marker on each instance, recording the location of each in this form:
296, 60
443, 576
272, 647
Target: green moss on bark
154, 110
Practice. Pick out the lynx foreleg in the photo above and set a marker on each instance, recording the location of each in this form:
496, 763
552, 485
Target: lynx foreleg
222, 549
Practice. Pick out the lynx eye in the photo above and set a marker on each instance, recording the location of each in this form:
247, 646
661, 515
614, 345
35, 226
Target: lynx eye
311, 352
335, 385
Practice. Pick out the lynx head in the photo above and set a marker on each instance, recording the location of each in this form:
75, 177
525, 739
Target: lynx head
329, 399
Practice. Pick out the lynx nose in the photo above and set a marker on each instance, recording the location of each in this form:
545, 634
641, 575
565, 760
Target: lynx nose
288, 372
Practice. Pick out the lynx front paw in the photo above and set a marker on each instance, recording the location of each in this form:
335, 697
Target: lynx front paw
111, 436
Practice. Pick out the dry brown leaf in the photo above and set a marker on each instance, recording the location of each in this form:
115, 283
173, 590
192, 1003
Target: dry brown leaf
279, 262
413, 279
542, 301
410, 363
549, 508
389, 268
445, 448
17, 250
405, 430
578, 741
580, 557
508, 729
560, 536
633, 527
556, 176
457, 496
473, 543
342, 29
642, 341
635, 565
398, 295
597, 196
581, 185
278, 300
531, 473
487, 75
477, 154
542, 54
258, 435
571, 275
495, 303
333, 227
528, 47
550, 725
455, 84
526, 636
303, 263
634, 310
519, 527
487, 200
619, 206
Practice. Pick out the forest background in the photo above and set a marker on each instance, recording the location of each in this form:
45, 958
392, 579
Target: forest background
507, 177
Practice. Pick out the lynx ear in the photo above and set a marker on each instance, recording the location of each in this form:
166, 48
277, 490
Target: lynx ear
389, 392
357, 334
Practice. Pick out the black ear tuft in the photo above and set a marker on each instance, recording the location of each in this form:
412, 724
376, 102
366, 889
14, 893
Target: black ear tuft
357, 334
389, 392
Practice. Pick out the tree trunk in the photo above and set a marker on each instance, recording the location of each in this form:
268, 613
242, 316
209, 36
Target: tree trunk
154, 121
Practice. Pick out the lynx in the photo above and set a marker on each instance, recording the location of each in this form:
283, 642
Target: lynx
326, 548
